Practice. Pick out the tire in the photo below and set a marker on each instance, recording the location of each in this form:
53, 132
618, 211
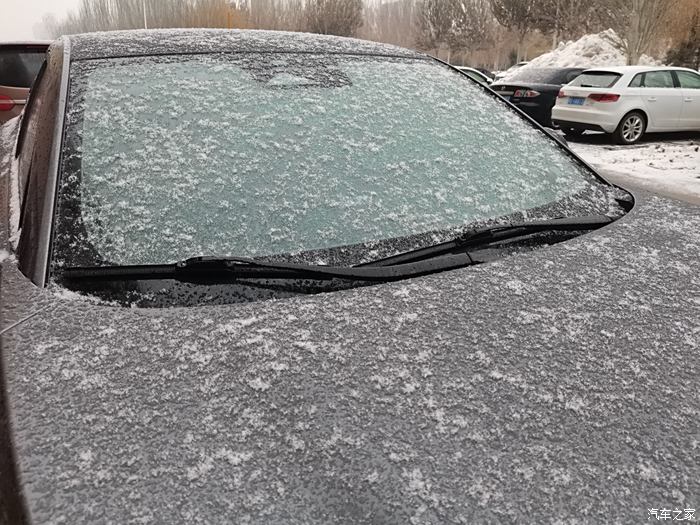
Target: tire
572, 133
630, 129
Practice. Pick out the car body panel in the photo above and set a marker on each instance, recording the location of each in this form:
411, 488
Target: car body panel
663, 106
690, 84
552, 385
162, 41
690, 113
539, 107
602, 114
475, 395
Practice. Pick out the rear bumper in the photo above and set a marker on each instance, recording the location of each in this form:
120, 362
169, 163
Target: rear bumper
541, 113
566, 124
587, 118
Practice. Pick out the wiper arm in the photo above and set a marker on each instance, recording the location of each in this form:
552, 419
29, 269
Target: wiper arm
224, 269
489, 235
414, 263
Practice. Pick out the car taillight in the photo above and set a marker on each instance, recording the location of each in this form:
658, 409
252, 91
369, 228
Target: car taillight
526, 93
6, 103
604, 97
561, 94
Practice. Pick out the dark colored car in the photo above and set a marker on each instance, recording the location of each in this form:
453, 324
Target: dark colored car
19, 65
486, 72
535, 90
198, 236
475, 74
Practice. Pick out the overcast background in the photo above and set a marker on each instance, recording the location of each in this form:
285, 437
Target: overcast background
19, 17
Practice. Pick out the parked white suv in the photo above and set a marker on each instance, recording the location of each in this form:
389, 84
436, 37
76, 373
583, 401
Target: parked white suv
630, 101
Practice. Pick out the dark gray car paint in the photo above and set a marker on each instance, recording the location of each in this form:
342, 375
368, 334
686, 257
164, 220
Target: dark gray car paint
165, 41
559, 385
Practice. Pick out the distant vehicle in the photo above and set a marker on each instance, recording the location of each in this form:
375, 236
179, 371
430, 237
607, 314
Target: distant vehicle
19, 64
475, 74
512, 69
486, 72
535, 90
630, 101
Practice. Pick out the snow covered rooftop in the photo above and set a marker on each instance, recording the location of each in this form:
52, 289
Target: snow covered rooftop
166, 41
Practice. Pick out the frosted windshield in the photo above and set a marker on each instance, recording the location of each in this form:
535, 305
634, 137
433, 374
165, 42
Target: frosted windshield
264, 154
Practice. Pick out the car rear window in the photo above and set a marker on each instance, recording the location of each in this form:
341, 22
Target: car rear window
19, 65
541, 75
596, 79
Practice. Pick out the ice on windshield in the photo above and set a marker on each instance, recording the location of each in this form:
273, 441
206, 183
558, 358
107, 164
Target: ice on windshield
261, 154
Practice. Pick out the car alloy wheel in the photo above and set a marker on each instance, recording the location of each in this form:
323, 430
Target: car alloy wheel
631, 128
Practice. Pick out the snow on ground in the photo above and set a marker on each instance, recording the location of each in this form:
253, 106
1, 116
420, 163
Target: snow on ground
588, 51
664, 164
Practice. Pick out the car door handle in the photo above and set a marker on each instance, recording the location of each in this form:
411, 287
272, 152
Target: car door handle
651, 99
688, 99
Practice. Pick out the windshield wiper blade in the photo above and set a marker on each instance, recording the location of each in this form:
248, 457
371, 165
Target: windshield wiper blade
414, 263
224, 269
489, 235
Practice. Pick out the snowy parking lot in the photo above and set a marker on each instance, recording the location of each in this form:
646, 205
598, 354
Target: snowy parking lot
666, 164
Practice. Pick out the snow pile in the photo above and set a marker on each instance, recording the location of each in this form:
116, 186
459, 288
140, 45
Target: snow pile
593, 50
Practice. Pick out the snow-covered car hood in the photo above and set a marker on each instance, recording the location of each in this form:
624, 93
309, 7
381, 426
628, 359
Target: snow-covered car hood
561, 384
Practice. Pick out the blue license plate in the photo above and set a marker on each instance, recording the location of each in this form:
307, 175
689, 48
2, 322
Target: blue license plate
576, 101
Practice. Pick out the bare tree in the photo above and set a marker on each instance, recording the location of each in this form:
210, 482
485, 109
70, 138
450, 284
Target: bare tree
435, 24
211, 13
455, 25
567, 19
687, 52
473, 26
637, 24
47, 27
105, 15
391, 22
277, 15
333, 17
681, 21
519, 16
